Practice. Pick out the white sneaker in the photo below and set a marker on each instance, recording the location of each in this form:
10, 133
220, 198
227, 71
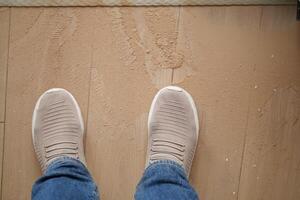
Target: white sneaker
173, 127
57, 127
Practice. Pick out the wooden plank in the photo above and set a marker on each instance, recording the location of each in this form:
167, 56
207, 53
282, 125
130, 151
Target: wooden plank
122, 86
4, 37
48, 48
219, 48
271, 165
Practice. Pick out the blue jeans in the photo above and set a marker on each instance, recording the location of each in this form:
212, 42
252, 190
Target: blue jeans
69, 179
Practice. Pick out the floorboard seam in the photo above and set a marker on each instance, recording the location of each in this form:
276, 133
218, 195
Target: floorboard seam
5, 102
89, 86
244, 146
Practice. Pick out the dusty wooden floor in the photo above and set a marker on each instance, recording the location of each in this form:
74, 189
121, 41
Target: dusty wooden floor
241, 64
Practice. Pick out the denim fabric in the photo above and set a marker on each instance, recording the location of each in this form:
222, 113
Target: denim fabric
165, 180
65, 179
68, 179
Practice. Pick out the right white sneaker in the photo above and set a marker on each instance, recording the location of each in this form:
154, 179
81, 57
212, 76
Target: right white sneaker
173, 128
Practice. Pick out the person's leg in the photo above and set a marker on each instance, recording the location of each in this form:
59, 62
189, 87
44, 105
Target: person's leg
172, 139
65, 178
57, 131
165, 180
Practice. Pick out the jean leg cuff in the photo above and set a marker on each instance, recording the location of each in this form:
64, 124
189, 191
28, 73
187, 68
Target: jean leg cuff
167, 163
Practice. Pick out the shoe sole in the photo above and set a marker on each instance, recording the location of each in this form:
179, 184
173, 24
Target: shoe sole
38, 104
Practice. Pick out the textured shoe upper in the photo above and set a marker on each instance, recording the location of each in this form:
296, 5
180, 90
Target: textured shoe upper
57, 128
173, 128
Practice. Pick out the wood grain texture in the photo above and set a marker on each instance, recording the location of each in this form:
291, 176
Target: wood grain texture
241, 65
219, 49
48, 48
4, 37
240, 56
271, 165
121, 92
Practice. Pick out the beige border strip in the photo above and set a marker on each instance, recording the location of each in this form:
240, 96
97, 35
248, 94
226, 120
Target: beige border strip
142, 2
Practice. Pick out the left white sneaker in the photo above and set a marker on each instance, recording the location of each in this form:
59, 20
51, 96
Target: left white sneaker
57, 128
